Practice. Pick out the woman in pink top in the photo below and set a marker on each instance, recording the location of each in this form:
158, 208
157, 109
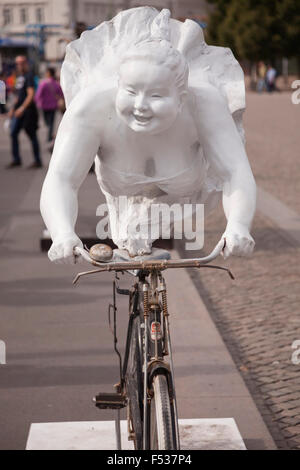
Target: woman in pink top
47, 97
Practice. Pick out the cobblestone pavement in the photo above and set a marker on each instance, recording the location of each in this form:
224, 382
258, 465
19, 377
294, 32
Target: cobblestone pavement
258, 313
273, 142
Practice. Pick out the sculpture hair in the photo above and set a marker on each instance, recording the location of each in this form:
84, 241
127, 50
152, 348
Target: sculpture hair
158, 49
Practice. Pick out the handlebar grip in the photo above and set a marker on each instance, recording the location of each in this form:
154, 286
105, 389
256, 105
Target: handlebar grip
215, 252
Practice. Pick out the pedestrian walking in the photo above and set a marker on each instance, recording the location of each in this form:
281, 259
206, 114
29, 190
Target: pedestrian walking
271, 78
24, 114
49, 97
261, 74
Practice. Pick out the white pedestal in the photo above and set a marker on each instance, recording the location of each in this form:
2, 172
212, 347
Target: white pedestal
195, 434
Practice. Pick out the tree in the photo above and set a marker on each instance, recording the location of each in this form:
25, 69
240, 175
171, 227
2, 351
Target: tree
289, 14
256, 29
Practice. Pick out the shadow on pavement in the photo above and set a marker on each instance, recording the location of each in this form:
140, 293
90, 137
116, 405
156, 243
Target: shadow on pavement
45, 376
45, 291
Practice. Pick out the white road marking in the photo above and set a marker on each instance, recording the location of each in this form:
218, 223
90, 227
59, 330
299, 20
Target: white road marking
204, 434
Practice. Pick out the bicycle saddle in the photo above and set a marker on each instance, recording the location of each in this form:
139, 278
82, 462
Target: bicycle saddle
123, 255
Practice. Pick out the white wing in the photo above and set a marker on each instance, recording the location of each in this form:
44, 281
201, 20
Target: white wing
95, 57
212, 64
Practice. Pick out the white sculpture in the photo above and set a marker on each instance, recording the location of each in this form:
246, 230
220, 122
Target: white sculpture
163, 111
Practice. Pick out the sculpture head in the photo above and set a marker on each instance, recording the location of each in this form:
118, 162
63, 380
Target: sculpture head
153, 80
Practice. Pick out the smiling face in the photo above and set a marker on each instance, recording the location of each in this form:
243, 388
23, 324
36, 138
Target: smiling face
148, 99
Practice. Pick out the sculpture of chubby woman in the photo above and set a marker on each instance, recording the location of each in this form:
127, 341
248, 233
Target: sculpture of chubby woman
162, 113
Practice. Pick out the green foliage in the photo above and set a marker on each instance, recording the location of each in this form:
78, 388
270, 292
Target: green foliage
256, 29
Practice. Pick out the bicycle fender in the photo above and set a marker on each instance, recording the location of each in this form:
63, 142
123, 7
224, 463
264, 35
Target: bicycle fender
160, 367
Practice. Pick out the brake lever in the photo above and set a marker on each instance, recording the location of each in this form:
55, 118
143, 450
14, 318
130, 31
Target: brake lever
217, 267
85, 273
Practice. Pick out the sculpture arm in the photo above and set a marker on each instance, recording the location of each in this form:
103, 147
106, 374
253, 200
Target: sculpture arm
226, 153
75, 148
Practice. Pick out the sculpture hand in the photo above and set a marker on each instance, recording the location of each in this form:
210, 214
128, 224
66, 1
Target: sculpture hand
238, 241
62, 249
137, 247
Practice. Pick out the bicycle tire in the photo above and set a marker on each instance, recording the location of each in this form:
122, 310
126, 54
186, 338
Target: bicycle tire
134, 384
162, 429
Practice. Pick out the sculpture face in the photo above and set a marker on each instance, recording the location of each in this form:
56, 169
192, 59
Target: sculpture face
148, 99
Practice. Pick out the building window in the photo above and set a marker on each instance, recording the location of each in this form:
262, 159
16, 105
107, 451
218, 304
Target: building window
7, 16
39, 14
23, 15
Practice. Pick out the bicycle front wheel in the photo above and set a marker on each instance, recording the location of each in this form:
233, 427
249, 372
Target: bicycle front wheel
134, 384
162, 429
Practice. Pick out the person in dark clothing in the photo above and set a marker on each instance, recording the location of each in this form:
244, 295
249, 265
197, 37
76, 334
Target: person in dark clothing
24, 114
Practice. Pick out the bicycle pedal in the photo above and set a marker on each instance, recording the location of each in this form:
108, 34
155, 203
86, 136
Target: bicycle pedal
114, 401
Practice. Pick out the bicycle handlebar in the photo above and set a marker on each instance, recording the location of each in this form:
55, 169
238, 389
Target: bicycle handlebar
140, 264
152, 264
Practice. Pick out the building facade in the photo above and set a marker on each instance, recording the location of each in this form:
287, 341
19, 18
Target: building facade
50, 24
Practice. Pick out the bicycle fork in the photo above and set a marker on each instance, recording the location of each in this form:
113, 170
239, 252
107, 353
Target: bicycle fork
146, 315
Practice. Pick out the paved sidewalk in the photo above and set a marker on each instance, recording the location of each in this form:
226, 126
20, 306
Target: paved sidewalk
59, 348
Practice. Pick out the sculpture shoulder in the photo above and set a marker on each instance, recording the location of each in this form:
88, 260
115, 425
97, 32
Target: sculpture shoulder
206, 97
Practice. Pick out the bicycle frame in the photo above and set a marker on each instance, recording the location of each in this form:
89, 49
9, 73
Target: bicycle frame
148, 304
157, 344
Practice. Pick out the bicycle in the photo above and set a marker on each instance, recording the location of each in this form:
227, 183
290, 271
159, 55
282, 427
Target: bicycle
146, 386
